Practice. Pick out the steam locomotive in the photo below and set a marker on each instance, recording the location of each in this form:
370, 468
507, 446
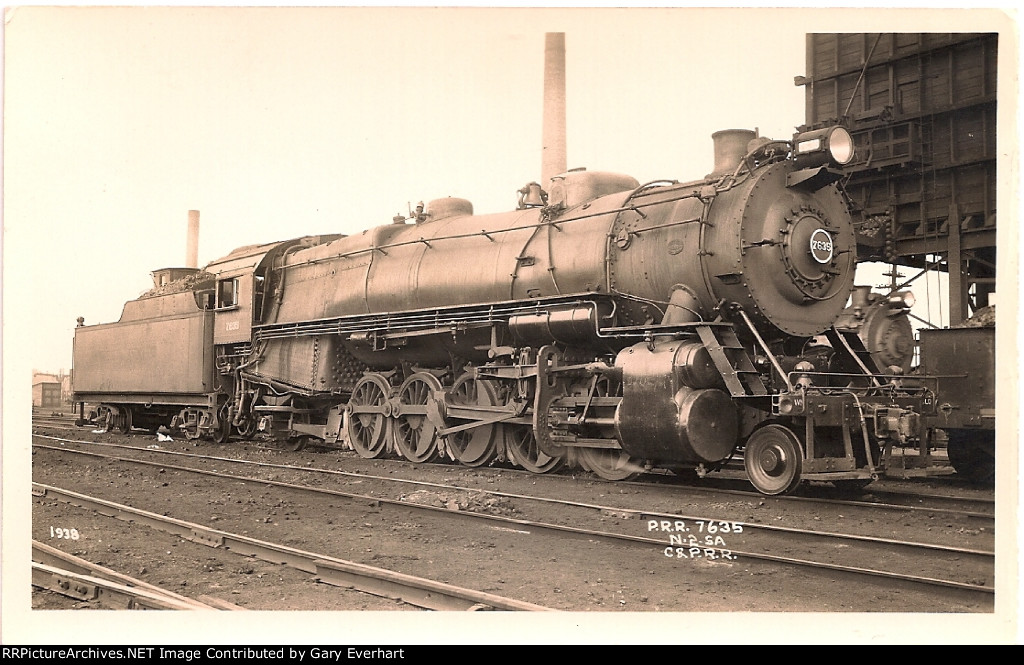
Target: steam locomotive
606, 323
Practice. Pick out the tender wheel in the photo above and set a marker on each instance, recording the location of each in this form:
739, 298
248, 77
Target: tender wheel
297, 443
366, 424
414, 435
247, 426
610, 464
524, 452
221, 434
123, 421
477, 446
104, 418
972, 454
773, 460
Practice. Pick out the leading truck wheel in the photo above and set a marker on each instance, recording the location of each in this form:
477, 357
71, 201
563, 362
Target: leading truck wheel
297, 443
773, 459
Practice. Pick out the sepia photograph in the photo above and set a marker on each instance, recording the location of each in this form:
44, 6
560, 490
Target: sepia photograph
649, 325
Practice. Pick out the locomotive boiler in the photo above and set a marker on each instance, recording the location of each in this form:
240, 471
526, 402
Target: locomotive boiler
607, 323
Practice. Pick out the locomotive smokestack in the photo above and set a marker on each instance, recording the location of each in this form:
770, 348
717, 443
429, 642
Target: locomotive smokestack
553, 160
730, 148
192, 244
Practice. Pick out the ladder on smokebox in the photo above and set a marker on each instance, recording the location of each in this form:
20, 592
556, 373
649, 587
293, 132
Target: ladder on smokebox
732, 361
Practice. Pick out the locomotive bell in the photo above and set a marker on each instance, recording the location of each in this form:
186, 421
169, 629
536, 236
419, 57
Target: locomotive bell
532, 196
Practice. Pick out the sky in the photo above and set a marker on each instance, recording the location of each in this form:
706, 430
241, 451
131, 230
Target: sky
278, 123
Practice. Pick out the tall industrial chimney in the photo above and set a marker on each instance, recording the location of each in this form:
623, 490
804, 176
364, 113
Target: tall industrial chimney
192, 244
553, 160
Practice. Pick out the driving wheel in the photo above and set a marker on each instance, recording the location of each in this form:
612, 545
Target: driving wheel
524, 452
476, 446
414, 435
367, 423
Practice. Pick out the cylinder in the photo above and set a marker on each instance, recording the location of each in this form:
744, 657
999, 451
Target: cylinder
730, 148
694, 367
192, 243
661, 417
553, 159
706, 425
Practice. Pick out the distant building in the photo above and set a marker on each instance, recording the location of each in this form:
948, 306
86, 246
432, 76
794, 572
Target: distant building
46, 391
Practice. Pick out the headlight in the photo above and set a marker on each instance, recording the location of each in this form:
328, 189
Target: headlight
840, 144
821, 146
902, 300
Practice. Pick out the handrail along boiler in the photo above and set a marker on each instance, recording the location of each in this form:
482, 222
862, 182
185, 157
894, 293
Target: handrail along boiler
606, 323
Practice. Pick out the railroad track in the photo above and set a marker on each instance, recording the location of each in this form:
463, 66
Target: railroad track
686, 536
982, 509
81, 580
58, 422
732, 480
420, 592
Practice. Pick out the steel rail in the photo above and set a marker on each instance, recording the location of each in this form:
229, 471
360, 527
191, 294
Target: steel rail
939, 497
745, 493
851, 502
51, 556
841, 502
562, 529
565, 502
421, 592
105, 592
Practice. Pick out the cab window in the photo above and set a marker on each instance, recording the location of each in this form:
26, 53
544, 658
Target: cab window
227, 293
